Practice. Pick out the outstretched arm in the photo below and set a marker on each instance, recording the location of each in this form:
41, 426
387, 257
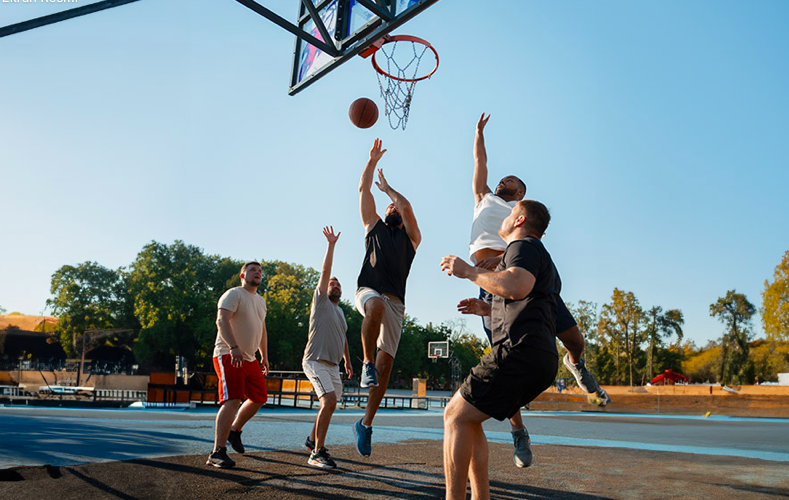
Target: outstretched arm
404, 207
513, 283
480, 180
366, 200
323, 282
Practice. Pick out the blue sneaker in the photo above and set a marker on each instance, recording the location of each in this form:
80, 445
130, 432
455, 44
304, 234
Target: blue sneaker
369, 376
363, 437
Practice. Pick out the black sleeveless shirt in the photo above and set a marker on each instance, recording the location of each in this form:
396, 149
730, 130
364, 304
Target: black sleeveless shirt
387, 260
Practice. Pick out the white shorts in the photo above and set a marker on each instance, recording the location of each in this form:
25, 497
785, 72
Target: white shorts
323, 377
391, 322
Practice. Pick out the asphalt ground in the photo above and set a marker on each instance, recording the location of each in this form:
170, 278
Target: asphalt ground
56, 453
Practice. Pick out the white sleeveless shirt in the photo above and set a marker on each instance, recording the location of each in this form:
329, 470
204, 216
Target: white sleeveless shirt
488, 215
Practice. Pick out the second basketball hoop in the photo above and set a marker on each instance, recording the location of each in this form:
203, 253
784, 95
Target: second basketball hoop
397, 60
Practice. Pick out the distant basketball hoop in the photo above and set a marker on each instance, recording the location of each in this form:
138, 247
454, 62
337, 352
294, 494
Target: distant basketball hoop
437, 350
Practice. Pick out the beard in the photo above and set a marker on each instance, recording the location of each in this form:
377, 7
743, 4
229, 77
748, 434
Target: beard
503, 191
254, 281
393, 220
334, 295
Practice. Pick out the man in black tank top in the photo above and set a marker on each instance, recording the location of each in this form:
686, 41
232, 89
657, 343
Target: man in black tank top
390, 246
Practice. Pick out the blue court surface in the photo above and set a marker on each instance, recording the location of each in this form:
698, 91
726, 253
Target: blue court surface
36, 436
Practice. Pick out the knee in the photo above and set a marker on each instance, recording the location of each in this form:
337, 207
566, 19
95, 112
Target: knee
374, 309
329, 401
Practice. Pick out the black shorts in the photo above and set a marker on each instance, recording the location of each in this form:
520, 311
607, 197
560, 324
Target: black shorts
508, 378
564, 318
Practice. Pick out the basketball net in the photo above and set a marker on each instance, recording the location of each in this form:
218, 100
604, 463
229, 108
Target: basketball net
399, 72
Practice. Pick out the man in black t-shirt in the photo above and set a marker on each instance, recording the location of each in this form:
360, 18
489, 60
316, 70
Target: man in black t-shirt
390, 246
523, 360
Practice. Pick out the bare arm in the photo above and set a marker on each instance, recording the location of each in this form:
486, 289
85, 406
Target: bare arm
513, 283
263, 348
404, 207
366, 200
479, 183
347, 358
223, 318
323, 282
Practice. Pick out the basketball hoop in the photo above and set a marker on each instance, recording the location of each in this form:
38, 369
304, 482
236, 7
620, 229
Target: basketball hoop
397, 79
434, 358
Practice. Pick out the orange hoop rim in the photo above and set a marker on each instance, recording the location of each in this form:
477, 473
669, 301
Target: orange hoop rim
405, 38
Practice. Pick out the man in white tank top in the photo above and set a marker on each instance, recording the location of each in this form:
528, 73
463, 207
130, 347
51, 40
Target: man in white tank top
485, 250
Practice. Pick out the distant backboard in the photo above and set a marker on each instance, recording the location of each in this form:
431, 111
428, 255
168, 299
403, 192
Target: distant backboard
438, 349
349, 27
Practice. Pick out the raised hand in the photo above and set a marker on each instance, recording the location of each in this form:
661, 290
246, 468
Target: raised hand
474, 306
455, 266
482, 122
328, 232
376, 152
381, 182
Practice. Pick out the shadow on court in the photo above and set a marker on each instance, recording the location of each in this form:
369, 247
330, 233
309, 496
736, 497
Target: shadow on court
404, 471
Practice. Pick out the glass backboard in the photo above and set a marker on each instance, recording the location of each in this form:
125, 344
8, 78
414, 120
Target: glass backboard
354, 26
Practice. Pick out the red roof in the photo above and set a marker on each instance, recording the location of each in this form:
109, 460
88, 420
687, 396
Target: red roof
671, 375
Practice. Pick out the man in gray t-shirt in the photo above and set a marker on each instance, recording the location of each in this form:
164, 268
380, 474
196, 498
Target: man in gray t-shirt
326, 346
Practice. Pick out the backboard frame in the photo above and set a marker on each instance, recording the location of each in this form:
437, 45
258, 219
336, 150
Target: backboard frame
438, 349
383, 20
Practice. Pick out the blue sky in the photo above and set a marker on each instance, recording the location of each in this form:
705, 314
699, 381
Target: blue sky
656, 132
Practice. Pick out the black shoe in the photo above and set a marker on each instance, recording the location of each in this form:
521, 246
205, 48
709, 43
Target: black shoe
321, 459
234, 438
309, 445
220, 459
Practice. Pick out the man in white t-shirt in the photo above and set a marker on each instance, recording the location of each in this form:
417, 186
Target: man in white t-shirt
485, 250
326, 346
241, 330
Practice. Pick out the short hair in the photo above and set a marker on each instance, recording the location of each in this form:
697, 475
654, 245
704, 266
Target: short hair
537, 216
250, 263
335, 279
523, 184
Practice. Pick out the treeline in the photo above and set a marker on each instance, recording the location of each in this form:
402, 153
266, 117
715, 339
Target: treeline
167, 300
628, 344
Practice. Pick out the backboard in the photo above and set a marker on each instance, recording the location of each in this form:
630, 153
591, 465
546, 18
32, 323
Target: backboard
438, 349
348, 27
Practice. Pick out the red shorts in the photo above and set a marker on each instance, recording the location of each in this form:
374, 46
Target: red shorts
242, 383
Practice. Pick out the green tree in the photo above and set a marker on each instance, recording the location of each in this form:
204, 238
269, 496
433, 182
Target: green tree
620, 323
775, 303
175, 289
2, 311
88, 296
288, 293
735, 311
660, 325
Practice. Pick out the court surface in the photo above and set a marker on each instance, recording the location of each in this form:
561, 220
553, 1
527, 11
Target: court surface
37, 436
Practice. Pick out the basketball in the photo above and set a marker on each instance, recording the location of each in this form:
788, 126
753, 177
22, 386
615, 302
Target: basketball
363, 112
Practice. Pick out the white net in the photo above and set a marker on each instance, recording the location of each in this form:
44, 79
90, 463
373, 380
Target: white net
401, 60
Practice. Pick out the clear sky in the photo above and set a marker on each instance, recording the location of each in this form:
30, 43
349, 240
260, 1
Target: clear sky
656, 132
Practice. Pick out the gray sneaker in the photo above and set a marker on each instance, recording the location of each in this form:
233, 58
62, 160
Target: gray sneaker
585, 379
309, 445
603, 397
369, 376
522, 455
322, 459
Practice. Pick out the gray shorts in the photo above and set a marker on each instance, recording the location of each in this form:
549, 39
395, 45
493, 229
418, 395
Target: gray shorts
391, 322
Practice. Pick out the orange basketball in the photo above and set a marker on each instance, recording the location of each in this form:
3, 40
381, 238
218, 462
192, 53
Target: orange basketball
363, 112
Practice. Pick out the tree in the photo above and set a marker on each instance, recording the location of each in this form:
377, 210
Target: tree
288, 292
2, 311
735, 311
620, 323
88, 296
660, 325
175, 289
775, 303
